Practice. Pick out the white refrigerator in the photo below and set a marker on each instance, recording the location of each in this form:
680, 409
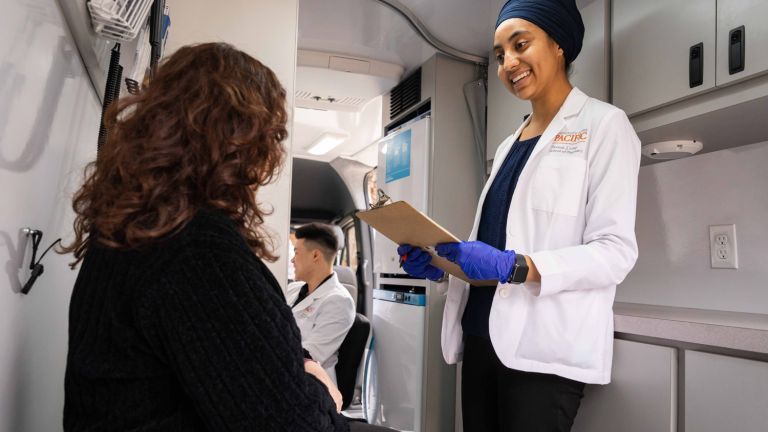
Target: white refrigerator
395, 383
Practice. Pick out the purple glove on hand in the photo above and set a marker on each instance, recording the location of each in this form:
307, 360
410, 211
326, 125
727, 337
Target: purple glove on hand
417, 263
478, 260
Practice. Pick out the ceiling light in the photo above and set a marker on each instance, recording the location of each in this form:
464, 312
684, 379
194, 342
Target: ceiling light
327, 142
667, 150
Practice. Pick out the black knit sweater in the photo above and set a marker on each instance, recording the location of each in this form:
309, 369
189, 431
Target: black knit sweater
191, 334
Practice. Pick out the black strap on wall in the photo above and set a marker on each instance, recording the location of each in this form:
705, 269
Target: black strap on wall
111, 92
156, 16
35, 264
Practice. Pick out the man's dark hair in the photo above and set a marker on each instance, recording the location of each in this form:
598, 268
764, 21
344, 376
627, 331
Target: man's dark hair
322, 236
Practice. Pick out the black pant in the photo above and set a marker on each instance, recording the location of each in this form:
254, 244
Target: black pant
496, 398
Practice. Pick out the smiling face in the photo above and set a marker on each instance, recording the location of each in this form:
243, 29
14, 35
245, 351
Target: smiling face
529, 60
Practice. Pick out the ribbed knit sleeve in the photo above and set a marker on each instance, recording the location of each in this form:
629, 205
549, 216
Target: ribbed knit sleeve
216, 318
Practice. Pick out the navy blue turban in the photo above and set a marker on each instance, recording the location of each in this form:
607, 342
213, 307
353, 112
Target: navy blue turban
560, 19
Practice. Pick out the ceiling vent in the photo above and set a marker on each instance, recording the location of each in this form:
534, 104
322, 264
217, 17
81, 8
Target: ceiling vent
335, 82
307, 99
300, 94
405, 95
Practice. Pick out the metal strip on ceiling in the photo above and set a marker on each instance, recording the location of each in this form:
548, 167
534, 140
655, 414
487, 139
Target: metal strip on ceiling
422, 30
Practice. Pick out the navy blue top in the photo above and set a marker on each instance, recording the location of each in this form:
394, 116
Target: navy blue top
493, 231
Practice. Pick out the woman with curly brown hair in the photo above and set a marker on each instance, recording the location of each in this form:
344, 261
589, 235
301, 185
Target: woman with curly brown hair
175, 322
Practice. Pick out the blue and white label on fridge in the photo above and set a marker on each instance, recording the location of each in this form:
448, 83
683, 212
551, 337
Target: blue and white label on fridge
403, 173
398, 157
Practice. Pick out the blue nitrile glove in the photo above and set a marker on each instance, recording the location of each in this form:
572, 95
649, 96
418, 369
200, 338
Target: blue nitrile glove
417, 262
478, 260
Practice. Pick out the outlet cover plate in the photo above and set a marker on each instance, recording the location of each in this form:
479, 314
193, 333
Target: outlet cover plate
722, 246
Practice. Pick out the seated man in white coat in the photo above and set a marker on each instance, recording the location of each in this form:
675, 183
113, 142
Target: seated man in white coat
322, 307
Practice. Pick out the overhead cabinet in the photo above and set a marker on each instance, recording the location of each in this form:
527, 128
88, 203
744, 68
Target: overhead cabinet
667, 50
742, 39
663, 50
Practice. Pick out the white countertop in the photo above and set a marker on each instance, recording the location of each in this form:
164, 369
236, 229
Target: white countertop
739, 331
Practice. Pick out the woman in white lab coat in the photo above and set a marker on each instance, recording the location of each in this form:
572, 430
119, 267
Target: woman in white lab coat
555, 228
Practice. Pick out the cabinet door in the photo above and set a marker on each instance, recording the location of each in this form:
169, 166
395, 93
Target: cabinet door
725, 394
651, 44
641, 397
732, 14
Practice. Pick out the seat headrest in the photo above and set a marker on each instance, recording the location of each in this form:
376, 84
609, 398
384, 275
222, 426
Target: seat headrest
346, 275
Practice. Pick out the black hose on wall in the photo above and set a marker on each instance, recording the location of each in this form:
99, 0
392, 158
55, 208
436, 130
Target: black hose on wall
111, 92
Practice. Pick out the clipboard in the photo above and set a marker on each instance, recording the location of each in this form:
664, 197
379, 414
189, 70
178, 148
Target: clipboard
402, 223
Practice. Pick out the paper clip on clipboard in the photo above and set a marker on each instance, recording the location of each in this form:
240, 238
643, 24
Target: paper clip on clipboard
381, 201
401, 223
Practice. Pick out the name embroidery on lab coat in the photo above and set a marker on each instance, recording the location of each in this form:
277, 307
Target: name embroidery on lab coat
570, 142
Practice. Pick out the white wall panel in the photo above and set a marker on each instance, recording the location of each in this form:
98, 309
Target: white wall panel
49, 119
267, 31
677, 201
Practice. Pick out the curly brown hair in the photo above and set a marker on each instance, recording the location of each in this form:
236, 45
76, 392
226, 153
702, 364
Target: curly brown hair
206, 132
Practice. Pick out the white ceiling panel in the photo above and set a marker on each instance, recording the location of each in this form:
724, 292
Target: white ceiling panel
462, 24
363, 128
362, 28
366, 28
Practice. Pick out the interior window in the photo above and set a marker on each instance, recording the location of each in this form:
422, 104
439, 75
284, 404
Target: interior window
370, 187
351, 247
343, 256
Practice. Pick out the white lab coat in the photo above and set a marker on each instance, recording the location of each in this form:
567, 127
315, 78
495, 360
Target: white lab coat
573, 213
324, 318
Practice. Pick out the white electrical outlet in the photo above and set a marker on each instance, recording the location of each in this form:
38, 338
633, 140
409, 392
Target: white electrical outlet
722, 246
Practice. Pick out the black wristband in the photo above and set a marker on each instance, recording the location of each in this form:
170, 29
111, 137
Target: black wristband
519, 271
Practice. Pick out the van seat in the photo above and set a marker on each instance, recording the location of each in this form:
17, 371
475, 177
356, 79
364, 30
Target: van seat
348, 279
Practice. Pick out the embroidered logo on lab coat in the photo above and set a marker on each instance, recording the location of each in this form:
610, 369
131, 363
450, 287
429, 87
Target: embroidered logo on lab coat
308, 310
569, 143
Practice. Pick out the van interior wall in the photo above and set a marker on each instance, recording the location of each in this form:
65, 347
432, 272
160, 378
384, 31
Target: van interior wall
677, 201
49, 122
267, 31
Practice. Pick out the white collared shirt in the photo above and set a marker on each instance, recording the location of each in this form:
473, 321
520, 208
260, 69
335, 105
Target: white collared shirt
573, 213
324, 318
